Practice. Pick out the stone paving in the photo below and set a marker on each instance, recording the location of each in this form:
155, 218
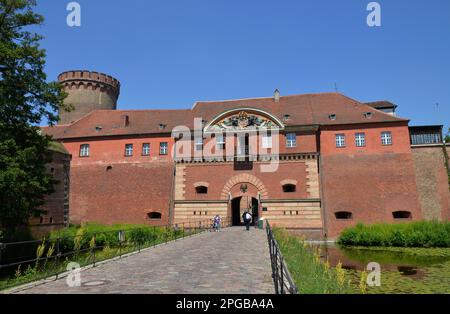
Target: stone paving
231, 261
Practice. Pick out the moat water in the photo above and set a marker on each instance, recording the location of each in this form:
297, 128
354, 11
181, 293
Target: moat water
418, 270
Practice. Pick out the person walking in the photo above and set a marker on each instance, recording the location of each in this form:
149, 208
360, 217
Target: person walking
217, 222
247, 220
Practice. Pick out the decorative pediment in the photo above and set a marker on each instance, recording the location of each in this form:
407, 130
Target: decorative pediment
244, 119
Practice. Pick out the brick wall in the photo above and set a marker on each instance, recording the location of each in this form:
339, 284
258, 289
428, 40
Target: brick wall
371, 182
124, 193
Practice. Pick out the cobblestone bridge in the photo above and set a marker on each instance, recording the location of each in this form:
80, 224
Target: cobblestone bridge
233, 261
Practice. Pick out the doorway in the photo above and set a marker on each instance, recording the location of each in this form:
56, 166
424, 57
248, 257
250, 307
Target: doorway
239, 205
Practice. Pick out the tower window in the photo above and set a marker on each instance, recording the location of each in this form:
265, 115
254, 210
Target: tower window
402, 215
128, 150
84, 150
289, 188
386, 138
343, 215
145, 149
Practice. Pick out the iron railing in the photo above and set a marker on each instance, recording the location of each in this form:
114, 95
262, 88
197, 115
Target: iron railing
282, 279
16, 257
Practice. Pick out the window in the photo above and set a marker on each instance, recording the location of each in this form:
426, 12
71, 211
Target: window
201, 190
402, 215
291, 140
386, 138
343, 215
289, 188
340, 140
267, 141
360, 139
128, 150
220, 141
84, 150
154, 215
332, 117
145, 149
51, 220
368, 115
163, 148
199, 144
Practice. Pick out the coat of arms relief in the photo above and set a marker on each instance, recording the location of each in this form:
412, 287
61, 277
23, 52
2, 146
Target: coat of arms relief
243, 121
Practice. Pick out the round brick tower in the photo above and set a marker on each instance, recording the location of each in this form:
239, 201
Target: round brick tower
88, 91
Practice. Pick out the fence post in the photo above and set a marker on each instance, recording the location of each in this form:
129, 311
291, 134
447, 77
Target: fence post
58, 256
281, 274
95, 244
120, 242
1, 255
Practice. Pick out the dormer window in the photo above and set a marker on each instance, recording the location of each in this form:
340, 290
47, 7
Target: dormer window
162, 126
98, 128
332, 117
286, 117
368, 115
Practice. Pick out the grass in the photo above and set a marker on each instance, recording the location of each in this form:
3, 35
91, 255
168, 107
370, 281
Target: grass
85, 245
426, 234
311, 275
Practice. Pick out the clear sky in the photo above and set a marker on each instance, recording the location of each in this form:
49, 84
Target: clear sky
171, 53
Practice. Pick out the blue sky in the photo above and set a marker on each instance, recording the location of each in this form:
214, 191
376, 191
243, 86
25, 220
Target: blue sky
171, 53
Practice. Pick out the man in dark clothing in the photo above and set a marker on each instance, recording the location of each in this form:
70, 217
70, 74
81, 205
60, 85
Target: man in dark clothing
247, 220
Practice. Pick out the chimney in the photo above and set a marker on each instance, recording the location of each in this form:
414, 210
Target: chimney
276, 95
125, 121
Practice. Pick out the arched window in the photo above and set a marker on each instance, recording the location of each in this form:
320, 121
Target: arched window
343, 215
289, 188
201, 189
402, 215
154, 215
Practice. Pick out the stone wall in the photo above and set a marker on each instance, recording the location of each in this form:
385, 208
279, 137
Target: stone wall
432, 181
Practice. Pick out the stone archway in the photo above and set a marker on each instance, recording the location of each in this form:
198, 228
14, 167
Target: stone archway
242, 179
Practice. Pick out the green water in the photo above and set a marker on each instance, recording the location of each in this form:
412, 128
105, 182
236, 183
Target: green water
403, 271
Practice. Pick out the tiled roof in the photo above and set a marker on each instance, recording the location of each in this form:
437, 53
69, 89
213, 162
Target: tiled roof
307, 109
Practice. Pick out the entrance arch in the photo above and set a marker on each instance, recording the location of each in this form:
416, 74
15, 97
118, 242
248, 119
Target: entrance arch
241, 204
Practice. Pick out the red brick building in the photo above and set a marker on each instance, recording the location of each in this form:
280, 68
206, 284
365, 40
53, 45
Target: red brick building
314, 162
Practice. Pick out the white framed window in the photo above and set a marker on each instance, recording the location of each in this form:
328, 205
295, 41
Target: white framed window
84, 150
386, 138
360, 139
340, 140
163, 148
128, 150
291, 140
199, 144
146, 149
267, 141
220, 142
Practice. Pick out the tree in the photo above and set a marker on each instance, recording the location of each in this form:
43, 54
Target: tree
26, 100
447, 137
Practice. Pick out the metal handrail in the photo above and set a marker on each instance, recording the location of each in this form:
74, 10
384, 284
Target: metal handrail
196, 226
282, 278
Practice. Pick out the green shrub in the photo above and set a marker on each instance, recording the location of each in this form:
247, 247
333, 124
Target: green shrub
414, 234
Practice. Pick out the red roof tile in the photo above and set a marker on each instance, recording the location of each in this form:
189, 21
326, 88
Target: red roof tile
307, 109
